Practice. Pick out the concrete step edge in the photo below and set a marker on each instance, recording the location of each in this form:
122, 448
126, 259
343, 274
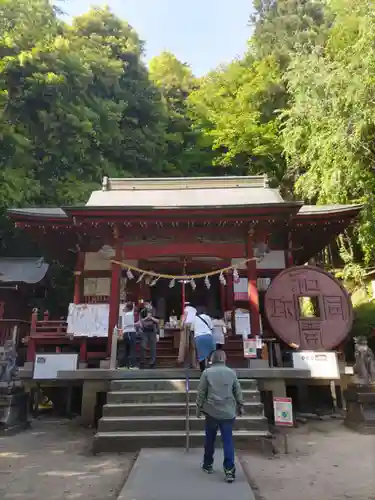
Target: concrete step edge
179, 418
168, 405
181, 379
139, 434
193, 391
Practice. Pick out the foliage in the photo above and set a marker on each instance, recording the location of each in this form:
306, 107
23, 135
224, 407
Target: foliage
282, 26
234, 108
364, 314
328, 129
184, 156
76, 103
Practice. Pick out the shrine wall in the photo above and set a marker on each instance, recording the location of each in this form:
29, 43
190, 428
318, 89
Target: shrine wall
100, 286
275, 259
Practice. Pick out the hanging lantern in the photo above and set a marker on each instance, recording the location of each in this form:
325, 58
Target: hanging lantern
129, 274
236, 276
207, 282
172, 283
141, 277
193, 284
222, 279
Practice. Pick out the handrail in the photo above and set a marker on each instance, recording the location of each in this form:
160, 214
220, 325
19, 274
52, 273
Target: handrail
187, 389
9, 320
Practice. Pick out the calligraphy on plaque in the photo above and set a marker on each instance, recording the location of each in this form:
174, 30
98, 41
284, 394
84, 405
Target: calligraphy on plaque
311, 333
333, 307
281, 308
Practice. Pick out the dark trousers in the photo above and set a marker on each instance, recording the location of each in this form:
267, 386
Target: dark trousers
226, 430
148, 339
126, 350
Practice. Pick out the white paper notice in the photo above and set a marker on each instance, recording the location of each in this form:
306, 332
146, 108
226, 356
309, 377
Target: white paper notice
240, 289
242, 323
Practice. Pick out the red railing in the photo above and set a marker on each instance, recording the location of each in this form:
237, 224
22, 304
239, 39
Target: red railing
13, 328
46, 327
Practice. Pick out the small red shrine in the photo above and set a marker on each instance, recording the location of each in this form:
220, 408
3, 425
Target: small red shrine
178, 226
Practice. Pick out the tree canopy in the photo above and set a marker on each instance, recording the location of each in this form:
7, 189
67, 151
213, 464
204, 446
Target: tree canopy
77, 102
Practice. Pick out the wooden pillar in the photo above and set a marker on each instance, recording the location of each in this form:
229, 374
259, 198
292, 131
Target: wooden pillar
252, 289
78, 278
114, 297
289, 253
31, 340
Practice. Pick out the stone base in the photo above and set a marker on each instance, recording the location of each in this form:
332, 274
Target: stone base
360, 408
14, 415
105, 363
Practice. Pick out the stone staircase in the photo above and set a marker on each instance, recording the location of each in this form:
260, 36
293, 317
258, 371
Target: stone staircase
166, 353
150, 413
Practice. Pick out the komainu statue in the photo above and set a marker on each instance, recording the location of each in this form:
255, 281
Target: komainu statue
364, 362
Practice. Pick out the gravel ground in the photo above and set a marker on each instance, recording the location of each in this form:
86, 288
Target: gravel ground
326, 461
52, 461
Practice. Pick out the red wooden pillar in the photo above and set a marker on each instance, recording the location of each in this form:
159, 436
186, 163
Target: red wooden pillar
114, 297
252, 289
289, 252
78, 278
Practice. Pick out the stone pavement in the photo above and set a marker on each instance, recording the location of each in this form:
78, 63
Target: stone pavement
168, 474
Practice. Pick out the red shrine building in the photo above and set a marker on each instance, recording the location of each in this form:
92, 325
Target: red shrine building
175, 227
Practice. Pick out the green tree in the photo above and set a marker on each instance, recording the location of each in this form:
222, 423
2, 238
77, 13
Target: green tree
76, 103
283, 26
235, 109
185, 153
329, 128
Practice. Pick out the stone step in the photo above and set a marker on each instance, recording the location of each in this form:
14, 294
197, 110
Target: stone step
167, 385
172, 423
121, 442
164, 409
142, 397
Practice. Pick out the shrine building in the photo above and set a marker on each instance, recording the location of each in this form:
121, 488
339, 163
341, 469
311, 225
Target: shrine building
148, 239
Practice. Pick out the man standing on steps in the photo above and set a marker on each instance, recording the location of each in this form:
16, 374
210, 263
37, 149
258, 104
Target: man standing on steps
220, 399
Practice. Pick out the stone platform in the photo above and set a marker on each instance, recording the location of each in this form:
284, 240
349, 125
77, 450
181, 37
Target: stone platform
360, 413
169, 474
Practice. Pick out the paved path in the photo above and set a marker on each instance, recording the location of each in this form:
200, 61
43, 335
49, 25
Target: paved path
169, 474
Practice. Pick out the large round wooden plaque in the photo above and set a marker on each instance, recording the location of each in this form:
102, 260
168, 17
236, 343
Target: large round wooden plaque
325, 325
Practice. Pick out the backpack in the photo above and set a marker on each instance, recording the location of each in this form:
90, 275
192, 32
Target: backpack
148, 325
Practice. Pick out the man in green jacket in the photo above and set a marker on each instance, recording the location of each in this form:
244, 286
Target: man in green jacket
220, 399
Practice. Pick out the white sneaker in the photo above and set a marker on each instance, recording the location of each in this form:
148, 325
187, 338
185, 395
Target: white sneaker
134, 368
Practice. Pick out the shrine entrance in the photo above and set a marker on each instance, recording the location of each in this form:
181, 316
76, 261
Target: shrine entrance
168, 301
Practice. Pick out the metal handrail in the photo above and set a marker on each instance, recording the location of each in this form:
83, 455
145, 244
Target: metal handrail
187, 390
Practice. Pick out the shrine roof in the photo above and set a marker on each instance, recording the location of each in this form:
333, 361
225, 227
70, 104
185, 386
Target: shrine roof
39, 212
328, 209
184, 192
22, 270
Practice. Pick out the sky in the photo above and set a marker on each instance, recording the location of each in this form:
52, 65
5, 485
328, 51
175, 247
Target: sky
202, 33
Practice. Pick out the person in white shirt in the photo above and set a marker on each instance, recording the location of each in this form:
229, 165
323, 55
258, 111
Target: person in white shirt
186, 344
189, 314
219, 330
126, 349
203, 337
